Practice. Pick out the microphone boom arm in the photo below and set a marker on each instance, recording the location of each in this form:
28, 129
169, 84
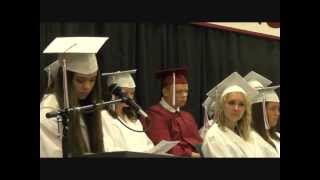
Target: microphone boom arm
63, 112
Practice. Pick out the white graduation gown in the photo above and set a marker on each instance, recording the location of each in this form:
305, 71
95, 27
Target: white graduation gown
117, 137
277, 143
50, 139
220, 143
264, 149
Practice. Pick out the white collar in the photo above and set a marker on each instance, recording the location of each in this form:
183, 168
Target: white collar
165, 105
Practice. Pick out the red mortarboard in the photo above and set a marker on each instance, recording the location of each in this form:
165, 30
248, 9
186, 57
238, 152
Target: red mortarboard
166, 76
172, 77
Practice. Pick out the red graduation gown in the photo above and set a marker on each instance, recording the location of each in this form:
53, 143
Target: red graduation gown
181, 126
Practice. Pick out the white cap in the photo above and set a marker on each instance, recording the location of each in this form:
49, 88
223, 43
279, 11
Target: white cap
209, 105
52, 70
260, 83
256, 80
121, 78
81, 63
207, 102
79, 52
268, 93
233, 83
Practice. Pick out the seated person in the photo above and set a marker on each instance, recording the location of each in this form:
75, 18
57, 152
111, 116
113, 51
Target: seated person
230, 135
119, 117
265, 113
170, 123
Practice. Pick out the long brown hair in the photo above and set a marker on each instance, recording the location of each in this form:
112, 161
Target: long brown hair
76, 141
258, 123
273, 130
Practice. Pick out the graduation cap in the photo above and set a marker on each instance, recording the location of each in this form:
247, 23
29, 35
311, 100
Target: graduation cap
209, 110
207, 102
121, 78
260, 83
172, 77
267, 94
209, 105
256, 80
52, 71
79, 52
233, 83
76, 54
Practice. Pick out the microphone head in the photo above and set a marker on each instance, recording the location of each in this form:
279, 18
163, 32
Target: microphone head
116, 90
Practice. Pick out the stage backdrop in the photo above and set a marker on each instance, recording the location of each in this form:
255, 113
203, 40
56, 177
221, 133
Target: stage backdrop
210, 55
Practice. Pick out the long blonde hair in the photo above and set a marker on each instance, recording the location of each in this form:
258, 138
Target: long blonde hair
243, 125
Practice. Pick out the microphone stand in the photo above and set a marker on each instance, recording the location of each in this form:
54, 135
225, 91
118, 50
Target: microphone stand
66, 111
63, 114
65, 119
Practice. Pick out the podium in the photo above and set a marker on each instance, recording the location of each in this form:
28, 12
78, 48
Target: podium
127, 154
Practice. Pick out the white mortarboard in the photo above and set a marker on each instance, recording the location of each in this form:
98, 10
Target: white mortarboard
268, 94
208, 105
256, 80
121, 78
52, 70
207, 102
233, 83
79, 52
260, 83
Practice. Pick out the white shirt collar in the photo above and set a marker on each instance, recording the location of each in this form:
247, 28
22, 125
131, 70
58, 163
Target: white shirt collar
165, 105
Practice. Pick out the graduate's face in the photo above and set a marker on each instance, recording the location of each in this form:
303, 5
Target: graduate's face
181, 95
83, 84
130, 92
273, 112
234, 106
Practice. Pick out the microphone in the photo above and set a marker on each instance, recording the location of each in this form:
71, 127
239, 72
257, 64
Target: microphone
116, 90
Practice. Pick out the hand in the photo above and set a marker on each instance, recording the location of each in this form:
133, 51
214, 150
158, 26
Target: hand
195, 155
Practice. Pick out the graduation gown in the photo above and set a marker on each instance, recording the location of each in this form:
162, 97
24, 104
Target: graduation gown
50, 139
117, 137
203, 130
226, 143
277, 143
264, 149
171, 126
